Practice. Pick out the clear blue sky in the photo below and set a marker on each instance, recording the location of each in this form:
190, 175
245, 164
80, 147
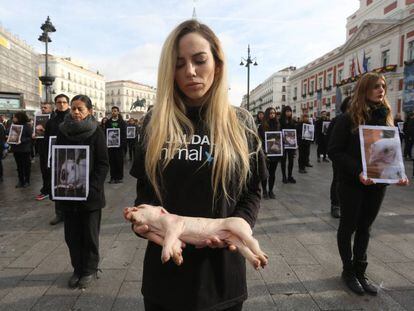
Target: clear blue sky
123, 39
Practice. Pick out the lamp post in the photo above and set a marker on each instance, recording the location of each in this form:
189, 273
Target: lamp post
47, 80
248, 61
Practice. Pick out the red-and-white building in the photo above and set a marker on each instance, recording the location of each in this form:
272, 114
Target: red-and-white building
380, 37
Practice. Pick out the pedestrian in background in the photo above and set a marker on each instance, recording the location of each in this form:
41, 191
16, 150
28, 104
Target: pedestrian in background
2, 148
116, 154
42, 148
103, 122
304, 146
83, 218
409, 135
22, 151
287, 122
320, 138
131, 141
52, 129
335, 205
269, 124
360, 198
259, 117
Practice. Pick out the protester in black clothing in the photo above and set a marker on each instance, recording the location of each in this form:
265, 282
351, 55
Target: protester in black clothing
304, 146
103, 121
269, 124
116, 154
131, 141
408, 129
259, 117
2, 147
52, 128
22, 150
335, 209
320, 137
397, 119
198, 157
42, 149
287, 122
83, 218
360, 199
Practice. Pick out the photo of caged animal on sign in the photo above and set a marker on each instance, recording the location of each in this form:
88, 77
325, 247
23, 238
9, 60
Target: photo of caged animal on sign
70, 172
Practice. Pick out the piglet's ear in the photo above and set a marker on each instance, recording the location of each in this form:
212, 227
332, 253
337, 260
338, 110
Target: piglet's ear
164, 211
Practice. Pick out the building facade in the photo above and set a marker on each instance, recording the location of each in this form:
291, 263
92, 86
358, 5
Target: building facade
124, 93
73, 78
380, 38
19, 66
273, 92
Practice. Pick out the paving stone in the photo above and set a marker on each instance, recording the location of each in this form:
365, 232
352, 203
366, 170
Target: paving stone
404, 297
9, 278
135, 269
24, 296
35, 254
129, 297
120, 255
259, 297
52, 266
294, 302
406, 269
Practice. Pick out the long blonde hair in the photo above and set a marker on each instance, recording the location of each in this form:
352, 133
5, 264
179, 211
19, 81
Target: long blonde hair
359, 109
169, 123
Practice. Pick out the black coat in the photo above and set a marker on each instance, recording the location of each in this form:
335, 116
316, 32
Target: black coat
345, 151
98, 169
26, 140
122, 125
261, 131
52, 126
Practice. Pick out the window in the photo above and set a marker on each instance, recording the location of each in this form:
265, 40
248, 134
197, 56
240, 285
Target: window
284, 80
62, 86
112, 92
368, 60
305, 88
283, 98
385, 58
312, 86
283, 88
340, 74
410, 53
127, 92
119, 91
329, 80
68, 75
320, 84
295, 92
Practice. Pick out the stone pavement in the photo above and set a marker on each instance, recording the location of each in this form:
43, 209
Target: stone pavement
295, 230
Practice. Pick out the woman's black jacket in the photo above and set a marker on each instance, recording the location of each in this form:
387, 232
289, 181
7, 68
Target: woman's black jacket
98, 169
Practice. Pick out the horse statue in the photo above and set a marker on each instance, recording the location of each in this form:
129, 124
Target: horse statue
138, 103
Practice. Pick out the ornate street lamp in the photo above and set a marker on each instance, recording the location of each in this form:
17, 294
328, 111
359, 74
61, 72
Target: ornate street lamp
47, 80
248, 61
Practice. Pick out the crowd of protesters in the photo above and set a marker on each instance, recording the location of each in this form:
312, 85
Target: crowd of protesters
231, 178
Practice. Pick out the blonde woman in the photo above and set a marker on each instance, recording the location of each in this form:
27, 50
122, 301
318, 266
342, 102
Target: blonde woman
198, 156
360, 199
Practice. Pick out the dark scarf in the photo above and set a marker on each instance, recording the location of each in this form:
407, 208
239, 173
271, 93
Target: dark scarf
78, 130
378, 112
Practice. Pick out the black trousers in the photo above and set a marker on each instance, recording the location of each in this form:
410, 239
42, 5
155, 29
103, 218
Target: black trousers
46, 178
116, 163
289, 154
359, 208
304, 152
408, 146
150, 306
131, 148
334, 187
24, 166
322, 148
82, 238
271, 167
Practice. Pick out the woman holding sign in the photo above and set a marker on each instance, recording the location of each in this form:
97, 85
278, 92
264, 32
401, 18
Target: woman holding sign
269, 124
20, 140
287, 123
83, 218
360, 198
